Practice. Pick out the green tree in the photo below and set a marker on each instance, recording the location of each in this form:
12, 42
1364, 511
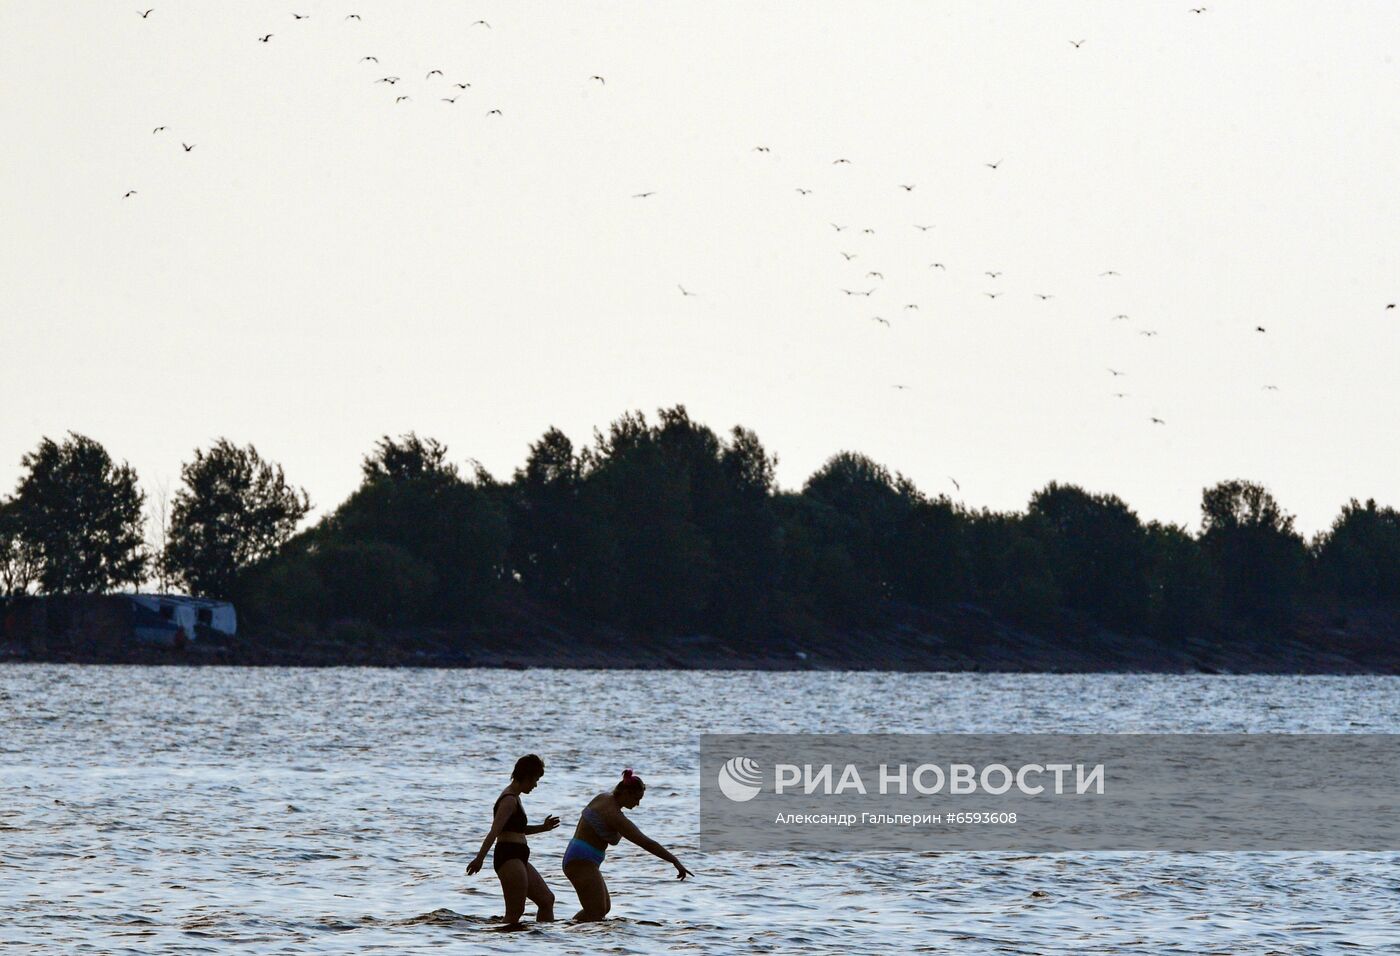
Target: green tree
234, 510
1259, 558
81, 513
1359, 557
19, 560
1097, 552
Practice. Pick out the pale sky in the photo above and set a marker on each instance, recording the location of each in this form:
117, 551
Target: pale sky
326, 265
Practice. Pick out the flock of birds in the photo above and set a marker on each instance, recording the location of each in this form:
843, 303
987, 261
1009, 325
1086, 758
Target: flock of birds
870, 275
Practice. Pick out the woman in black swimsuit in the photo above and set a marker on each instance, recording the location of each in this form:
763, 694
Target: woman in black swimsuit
512, 858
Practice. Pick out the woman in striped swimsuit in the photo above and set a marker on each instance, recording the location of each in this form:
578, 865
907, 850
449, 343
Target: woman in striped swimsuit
601, 824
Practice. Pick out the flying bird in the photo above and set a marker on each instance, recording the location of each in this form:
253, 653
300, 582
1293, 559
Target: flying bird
400, 99
599, 79
856, 292
1157, 421
352, 16
901, 388
992, 274
643, 195
300, 16
836, 227
1260, 328
157, 130
922, 228
189, 146
1147, 332
1118, 318
1110, 272
129, 194
449, 99
849, 255
683, 290
992, 165
391, 80
1271, 388
1076, 43
884, 322
838, 162
868, 232
146, 13
1114, 372
264, 39
481, 23
1120, 394
908, 189
877, 275
372, 59
493, 113
955, 482
1390, 305
432, 73
991, 295
911, 305
461, 86
1198, 9
1042, 296
938, 265
805, 192
762, 149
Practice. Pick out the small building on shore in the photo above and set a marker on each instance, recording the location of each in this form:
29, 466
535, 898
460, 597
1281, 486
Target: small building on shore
86, 626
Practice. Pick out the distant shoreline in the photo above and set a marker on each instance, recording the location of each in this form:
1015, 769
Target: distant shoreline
960, 639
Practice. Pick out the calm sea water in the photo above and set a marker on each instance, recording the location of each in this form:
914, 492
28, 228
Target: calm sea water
333, 811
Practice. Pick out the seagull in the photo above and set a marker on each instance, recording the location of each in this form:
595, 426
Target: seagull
836, 227
189, 146
855, 292
352, 16
1157, 421
643, 195
868, 232
599, 79
992, 274
991, 295
1042, 296
1198, 9
1271, 388
805, 192
1110, 272
762, 149
878, 275
992, 165
908, 189
955, 482
1120, 394
146, 13
849, 255
884, 322
461, 86
911, 305
938, 265
838, 162
1118, 318
1114, 372
493, 113
1390, 305
922, 228
391, 80
157, 130
449, 99
1260, 328
431, 73
129, 194
901, 388
372, 59
683, 290
481, 23
300, 16
264, 39
400, 99
1076, 43
1147, 332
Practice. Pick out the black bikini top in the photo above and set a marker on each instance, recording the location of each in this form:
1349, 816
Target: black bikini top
516, 822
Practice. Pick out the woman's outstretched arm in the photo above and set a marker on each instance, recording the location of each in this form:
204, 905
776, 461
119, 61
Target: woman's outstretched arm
628, 829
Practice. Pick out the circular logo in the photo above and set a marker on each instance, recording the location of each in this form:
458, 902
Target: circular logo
740, 779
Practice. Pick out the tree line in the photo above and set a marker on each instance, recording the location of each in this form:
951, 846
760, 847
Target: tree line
666, 526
